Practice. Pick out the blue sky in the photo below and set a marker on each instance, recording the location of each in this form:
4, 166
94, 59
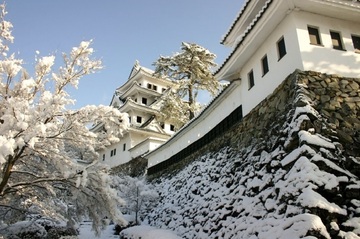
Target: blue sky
122, 31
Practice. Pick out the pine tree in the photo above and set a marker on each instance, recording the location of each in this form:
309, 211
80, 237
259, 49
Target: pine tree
191, 69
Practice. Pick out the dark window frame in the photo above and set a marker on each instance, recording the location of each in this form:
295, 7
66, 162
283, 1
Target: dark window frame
138, 119
124, 146
336, 40
144, 100
314, 35
281, 47
251, 79
172, 127
264, 65
356, 42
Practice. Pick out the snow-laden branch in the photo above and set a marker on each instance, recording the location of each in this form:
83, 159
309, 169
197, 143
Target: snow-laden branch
41, 139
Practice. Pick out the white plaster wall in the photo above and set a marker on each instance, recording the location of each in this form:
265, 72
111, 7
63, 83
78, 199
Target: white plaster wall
144, 82
134, 114
147, 145
198, 128
325, 58
121, 156
278, 69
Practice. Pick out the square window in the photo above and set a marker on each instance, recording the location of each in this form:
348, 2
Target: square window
172, 127
265, 65
356, 43
281, 48
149, 86
124, 147
251, 79
336, 40
138, 119
144, 101
314, 36
155, 87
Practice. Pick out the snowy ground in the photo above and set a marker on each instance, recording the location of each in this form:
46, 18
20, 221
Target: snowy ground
143, 232
87, 233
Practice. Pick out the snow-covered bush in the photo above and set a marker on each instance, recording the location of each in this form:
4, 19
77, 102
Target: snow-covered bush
41, 139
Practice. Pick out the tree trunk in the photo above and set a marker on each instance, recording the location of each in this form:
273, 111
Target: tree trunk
137, 206
191, 102
7, 169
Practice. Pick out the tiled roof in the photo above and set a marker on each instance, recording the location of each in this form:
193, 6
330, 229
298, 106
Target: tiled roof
235, 21
246, 33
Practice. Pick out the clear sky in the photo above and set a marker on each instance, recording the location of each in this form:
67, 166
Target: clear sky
122, 31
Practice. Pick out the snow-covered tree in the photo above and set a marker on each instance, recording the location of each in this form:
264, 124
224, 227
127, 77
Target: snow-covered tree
192, 70
40, 138
137, 194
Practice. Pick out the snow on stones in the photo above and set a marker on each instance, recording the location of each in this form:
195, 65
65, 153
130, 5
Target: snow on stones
300, 184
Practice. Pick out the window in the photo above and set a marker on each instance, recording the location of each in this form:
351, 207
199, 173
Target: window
124, 147
265, 65
103, 157
155, 87
138, 119
162, 125
172, 127
356, 43
112, 153
144, 101
149, 86
130, 120
314, 36
281, 48
251, 79
336, 40
163, 90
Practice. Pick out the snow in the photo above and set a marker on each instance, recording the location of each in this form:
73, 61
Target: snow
85, 232
148, 232
135, 232
278, 193
313, 139
312, 199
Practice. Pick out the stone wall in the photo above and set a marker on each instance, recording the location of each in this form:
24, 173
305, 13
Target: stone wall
294, 158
